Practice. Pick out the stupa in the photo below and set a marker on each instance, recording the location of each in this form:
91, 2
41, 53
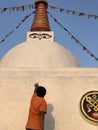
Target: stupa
40, 59
39, 50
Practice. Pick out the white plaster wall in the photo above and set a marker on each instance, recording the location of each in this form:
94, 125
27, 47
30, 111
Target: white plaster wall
65, 87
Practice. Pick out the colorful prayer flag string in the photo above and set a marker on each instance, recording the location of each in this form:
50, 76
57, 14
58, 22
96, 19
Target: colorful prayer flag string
75, 13
74, 38
26, 7
18, 8
24, 19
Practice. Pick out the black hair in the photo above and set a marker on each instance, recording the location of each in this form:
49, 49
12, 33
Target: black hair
41, 91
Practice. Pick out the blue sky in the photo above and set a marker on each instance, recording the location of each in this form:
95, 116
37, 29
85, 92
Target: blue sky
84, 29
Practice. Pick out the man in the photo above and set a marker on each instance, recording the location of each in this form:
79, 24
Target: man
37, 110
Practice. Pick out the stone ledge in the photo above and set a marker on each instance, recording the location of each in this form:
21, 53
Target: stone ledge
46, 72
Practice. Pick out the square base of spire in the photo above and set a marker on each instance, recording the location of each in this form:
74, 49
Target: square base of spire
40, 35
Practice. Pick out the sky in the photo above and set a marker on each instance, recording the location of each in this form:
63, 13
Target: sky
82, 28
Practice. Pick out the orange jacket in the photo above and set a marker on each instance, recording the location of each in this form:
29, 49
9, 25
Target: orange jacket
37, 105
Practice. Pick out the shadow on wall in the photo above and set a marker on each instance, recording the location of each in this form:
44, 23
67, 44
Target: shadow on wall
49, 120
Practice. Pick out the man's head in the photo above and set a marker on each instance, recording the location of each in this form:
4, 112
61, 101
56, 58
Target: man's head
41, 91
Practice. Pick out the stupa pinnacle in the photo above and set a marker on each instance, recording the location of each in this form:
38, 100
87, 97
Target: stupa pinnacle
40, 22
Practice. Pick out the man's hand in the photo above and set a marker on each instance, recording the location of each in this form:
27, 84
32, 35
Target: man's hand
36, 85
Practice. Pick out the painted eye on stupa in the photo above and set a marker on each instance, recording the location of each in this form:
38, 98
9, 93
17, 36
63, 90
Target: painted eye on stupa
46, 36
40, 36
34, 35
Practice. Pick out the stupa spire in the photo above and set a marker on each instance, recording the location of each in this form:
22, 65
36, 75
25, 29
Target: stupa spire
40, 22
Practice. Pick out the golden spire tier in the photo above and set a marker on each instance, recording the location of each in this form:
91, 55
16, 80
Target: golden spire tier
40, 22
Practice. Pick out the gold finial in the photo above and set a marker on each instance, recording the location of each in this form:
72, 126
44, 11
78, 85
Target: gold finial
43, 1
40, 22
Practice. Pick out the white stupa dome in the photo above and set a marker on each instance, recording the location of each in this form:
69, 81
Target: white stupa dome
39, 51
39, 54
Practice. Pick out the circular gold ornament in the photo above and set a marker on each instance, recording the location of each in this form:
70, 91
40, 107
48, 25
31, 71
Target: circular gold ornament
89, 105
